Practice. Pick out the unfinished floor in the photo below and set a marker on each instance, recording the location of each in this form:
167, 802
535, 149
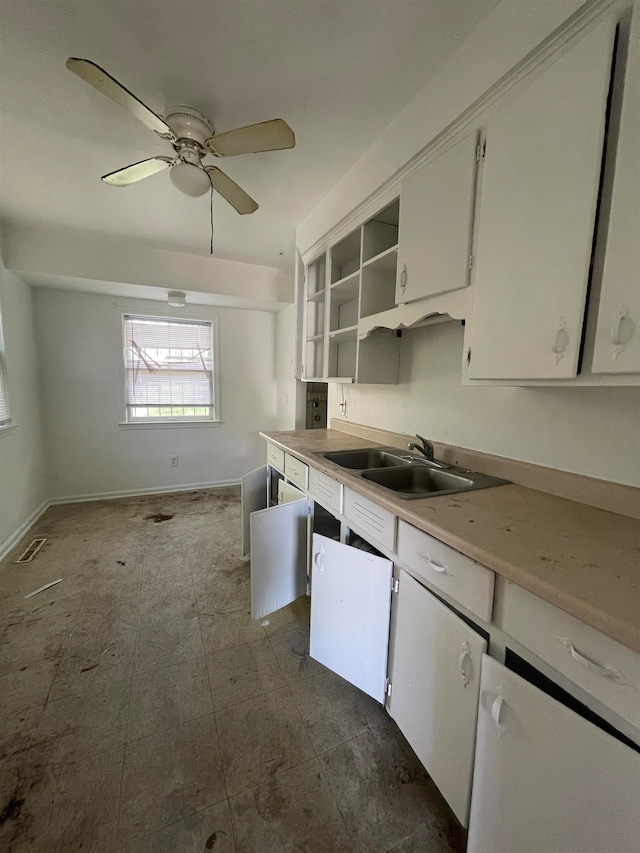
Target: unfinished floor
142, 710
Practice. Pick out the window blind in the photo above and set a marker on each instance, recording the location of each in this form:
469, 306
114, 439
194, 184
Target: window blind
169, 368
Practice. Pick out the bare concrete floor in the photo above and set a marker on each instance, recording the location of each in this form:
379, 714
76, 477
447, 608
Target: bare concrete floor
142, 710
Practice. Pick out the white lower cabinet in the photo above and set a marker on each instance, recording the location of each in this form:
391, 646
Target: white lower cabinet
435, 683
350, 613
545, 779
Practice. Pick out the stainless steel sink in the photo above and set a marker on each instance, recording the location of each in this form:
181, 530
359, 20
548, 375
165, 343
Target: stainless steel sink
367, 458
408, 476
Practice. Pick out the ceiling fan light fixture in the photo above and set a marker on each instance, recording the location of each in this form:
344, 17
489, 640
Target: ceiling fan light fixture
189, 179
176, 299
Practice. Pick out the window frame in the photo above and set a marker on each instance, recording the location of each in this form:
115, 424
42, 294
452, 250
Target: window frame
155, 422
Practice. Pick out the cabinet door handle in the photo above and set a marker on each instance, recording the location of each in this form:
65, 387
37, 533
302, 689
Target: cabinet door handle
317, 558
608, 672
403, 278
618, 316
496, 709
435, 566
464, 658
561, 340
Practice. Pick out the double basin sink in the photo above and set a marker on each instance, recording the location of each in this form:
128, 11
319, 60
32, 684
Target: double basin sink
406, 475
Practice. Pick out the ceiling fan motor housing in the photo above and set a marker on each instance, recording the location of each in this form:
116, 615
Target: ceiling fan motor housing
189, 124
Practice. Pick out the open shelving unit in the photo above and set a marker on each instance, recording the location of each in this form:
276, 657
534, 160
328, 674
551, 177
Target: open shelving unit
358, 278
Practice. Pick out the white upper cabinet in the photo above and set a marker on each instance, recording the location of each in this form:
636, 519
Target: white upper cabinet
617, 344
436, 216
545, 779
538, 205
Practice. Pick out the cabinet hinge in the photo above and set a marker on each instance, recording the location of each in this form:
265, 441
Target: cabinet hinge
481, 150
470, 262
469, 356
395, 585
387, 686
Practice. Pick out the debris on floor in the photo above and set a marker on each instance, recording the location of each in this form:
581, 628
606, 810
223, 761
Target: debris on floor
42, 588
211, 840
158, 517
121, 562
96, 663
11, 811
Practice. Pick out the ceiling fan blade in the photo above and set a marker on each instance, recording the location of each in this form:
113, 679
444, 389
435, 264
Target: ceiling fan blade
137, 171
103, 82
271, 135
230, 191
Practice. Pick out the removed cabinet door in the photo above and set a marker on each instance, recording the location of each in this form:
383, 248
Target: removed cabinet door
435, 683
617, 345
350, 613
436, 214
545, 779
537, 213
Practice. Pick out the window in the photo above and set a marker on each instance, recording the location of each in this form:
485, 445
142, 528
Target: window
5, 420
169, 369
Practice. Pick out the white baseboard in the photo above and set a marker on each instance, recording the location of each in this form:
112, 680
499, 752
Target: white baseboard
17, 535
132, 493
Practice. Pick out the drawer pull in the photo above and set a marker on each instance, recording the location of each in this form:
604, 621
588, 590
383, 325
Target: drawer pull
609, 672
496, 710
435, 566
317, 560
464, 663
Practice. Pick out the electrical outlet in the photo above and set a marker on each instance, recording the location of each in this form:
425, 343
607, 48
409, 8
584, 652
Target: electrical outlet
173, 461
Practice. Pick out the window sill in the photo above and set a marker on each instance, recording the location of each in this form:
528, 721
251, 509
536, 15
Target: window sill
7, 429
169, 424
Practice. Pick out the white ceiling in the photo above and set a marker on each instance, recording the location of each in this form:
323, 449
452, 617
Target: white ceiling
338, 71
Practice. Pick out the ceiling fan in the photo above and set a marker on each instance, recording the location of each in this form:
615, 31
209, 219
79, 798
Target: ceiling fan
192, 137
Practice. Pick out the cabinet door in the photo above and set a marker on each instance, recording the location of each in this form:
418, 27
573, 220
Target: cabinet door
539, 196
254, 497
278, 556
288, 492
435, 683
545, 779
617, 345
350, 613
436, 213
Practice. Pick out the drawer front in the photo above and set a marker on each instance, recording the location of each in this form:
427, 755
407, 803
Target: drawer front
275, 457
325, 490
375, 522
446, 569
604, 668
296, 471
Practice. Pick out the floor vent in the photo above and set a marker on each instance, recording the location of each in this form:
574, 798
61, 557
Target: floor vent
31, 551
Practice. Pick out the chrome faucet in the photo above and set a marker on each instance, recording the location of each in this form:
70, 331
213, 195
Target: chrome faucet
426, 448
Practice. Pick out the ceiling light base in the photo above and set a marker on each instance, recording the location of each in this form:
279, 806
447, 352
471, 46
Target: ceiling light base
188, 123
176, 299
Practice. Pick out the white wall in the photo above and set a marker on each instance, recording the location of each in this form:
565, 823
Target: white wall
593, 431
23, 475
79, 344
